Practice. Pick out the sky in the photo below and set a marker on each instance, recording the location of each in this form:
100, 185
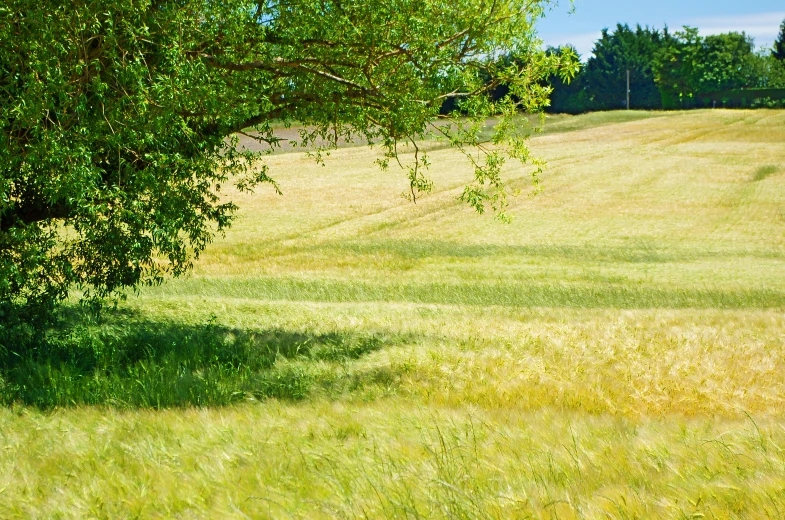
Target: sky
760, 19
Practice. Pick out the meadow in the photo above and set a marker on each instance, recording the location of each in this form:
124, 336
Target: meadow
616, 351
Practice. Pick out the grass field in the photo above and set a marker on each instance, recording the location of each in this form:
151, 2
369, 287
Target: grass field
617, 351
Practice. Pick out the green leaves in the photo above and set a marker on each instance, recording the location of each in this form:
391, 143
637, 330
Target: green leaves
117, 117
778, 50
690, 65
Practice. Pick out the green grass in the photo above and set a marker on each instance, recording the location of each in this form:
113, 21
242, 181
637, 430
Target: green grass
616, 351
128, 362
612, 294
765, 171
560, 123
385, 460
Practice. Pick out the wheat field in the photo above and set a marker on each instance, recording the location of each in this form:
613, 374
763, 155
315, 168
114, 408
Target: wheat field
617, 351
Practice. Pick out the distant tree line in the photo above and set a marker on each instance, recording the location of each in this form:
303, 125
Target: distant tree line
672, 70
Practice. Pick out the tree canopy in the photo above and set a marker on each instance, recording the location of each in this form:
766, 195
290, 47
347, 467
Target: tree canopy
690, 64
569, 95
671, 70
117, 117
778, 51
616, 53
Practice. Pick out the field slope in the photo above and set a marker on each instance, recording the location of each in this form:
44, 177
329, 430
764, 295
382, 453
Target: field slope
617, 351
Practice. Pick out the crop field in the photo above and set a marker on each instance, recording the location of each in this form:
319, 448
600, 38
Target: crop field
616, 351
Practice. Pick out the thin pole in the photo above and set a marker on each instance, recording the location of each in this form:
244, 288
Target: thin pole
628, 89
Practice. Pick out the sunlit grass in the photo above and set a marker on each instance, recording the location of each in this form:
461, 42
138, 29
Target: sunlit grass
387, 459
617, 351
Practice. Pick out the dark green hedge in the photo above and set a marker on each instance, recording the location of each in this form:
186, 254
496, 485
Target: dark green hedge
735, 98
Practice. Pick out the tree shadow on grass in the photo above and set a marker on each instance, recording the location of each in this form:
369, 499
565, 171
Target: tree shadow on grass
128, 362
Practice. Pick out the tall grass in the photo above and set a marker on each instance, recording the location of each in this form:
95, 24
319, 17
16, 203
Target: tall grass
385, 460
505, 293
128, 362
615, 352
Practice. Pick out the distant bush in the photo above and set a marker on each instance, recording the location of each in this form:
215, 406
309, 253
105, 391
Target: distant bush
743, 98
768, 103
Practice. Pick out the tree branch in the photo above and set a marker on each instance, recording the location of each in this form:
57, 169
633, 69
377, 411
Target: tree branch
280, 63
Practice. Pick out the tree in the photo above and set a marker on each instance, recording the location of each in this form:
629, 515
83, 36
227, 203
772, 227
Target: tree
690, 65
768, 71
727, 62
569, 95
117, 117
605, 75
778, 51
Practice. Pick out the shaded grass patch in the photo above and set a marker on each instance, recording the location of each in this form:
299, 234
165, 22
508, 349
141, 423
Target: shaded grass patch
152, 364
765, 171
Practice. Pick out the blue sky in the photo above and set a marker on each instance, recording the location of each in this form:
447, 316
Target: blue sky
760, 19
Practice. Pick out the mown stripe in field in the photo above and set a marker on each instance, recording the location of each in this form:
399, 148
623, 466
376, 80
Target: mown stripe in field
637, 250
479, 293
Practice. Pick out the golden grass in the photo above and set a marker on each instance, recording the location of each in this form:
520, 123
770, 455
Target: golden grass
388, 459
617, 351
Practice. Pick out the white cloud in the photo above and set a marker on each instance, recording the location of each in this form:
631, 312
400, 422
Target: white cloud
764, 27
583, 43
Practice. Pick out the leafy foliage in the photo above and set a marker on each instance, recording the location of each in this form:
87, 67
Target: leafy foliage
778, 51
605, 75
768, 71
570, 95
602, 82
690, 65
117, 117
680, 70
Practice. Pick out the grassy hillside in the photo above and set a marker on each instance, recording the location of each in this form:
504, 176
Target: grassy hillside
617, 351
